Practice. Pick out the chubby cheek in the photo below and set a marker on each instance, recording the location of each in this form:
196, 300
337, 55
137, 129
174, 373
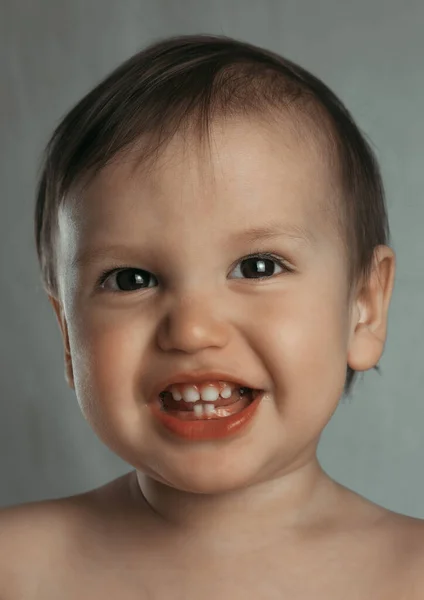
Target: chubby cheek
107, 368
306, 350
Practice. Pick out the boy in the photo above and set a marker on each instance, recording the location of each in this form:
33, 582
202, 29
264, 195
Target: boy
237, 192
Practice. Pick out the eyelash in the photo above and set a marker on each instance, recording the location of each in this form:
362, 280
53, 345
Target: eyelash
259, 255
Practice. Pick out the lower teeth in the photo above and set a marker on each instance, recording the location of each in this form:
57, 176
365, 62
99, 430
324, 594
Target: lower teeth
202, 410
199, 410
209, 410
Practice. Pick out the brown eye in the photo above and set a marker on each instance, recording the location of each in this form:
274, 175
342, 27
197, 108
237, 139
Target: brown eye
128, 280
259, 267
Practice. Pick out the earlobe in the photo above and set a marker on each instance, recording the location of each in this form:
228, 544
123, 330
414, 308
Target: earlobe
369, 325
58, 309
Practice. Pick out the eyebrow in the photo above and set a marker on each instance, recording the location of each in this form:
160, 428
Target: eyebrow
252, 235
273, 230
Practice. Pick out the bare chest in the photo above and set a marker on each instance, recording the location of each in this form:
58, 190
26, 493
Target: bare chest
267, 577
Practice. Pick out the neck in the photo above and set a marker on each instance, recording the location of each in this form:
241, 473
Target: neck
292, 502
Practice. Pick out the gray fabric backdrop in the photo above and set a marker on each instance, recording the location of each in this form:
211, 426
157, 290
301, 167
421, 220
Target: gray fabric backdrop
51, 53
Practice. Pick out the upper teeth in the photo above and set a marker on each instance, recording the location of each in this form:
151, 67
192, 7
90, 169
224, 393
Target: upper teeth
207, 392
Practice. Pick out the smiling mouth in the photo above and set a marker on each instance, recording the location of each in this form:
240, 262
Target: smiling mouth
241, 398
193, 418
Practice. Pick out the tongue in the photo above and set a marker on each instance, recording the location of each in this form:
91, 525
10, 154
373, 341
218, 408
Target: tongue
170, 404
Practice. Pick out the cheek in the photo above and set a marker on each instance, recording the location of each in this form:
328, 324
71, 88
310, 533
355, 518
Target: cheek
108, 358
306, 353
306, 340
108, 361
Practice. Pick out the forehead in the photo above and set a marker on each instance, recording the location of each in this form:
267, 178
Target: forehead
248, 175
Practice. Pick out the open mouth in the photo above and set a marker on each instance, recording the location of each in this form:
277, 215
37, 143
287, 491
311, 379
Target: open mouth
182, 407
208, 411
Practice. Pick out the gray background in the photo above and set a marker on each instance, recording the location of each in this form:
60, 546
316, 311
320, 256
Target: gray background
51, 53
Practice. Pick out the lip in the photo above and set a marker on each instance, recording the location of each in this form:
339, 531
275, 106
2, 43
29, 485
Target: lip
207, 429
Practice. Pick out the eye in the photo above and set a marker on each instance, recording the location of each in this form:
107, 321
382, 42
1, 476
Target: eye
260, 266
254, 266
127, 280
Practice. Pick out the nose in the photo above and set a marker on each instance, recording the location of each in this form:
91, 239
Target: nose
192, 325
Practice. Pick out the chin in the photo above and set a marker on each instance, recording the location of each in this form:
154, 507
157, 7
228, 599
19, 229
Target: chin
209, 483
209, 477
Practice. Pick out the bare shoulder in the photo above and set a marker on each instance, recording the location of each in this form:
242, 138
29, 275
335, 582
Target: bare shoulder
37, 539
406, 536
29, 537
410, 532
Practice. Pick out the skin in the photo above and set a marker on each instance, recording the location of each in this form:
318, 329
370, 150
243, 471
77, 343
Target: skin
292, 334
262, 494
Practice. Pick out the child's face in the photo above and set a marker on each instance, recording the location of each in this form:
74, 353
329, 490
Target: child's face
185, 223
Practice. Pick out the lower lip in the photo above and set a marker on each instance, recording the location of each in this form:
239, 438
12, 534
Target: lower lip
207, 429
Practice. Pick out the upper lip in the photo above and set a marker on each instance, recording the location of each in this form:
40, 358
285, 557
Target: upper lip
201, 377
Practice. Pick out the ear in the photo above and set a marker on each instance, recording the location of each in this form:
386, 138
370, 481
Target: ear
370, 312
60, 315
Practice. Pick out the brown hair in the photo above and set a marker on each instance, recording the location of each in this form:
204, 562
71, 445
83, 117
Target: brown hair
189, 80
